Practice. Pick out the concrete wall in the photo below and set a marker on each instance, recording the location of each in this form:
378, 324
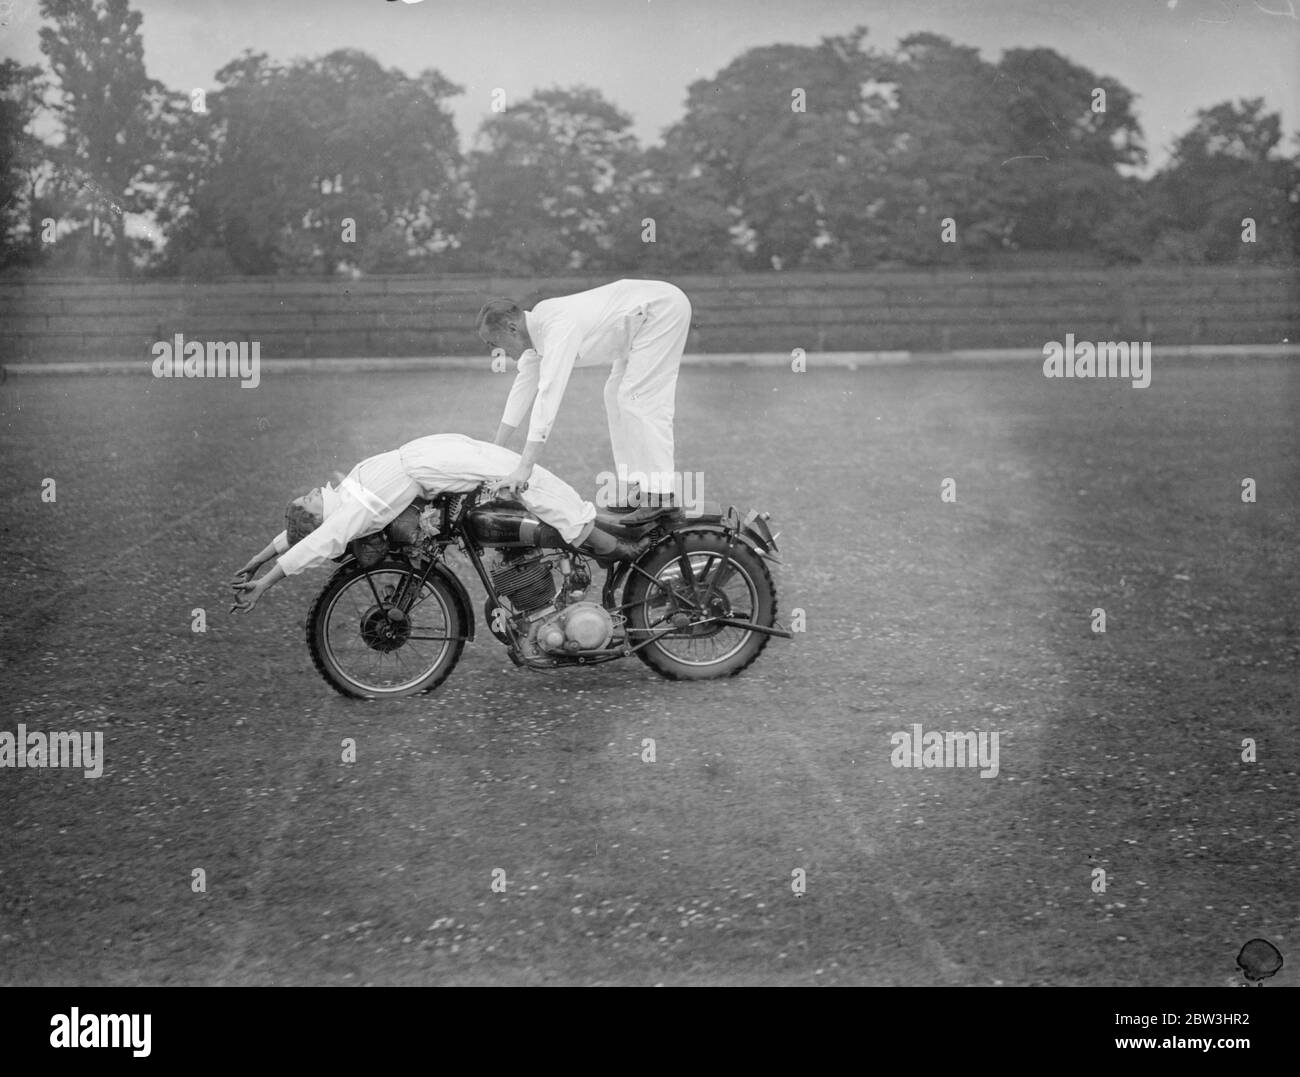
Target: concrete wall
61, 320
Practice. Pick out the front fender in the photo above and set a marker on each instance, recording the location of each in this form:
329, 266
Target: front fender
459, 594
462, 595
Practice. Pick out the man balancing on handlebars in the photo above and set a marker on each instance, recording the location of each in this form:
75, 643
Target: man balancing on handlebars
320, 524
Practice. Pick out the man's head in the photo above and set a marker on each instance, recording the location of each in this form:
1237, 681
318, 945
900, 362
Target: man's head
500, 324
303, 515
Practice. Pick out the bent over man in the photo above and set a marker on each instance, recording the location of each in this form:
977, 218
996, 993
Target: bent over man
320, 524
639, 328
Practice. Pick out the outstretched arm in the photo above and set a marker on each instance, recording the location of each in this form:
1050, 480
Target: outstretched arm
522, 391
518, 479
330, 539
257, 561
553, 372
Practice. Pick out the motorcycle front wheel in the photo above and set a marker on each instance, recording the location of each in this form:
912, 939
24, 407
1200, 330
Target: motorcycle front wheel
372, 636
689, 643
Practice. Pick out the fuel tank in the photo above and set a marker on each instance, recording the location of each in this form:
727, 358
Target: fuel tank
501, 524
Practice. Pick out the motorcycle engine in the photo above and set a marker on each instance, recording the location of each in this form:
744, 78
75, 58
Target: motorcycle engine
583, 626
557, 619
525, 580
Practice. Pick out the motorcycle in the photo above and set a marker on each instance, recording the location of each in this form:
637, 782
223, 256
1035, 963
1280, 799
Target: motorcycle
393, 619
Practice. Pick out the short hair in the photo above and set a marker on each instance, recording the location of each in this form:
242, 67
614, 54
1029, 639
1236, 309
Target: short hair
299, 522
495, 313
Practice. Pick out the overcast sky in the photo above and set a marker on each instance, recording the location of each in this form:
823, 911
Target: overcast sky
1176, 55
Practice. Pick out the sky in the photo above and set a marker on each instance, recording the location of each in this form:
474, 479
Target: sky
1176, 55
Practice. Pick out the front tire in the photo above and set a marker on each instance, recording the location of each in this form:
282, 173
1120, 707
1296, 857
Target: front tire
368, 649
731, 582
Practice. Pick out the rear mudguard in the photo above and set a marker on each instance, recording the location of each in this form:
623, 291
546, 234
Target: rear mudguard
459, 594
752, 530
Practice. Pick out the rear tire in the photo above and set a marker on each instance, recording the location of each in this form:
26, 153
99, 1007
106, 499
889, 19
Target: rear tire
742, 588
366, 654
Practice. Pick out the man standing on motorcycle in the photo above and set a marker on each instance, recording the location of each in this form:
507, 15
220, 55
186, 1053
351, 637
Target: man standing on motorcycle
638, 326
320, 524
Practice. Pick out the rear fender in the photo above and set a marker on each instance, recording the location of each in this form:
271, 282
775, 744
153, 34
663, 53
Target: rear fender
752, 531
742, 535
756, 530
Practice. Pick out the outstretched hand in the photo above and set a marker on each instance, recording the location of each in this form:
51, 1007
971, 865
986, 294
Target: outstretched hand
247, 592
247, 572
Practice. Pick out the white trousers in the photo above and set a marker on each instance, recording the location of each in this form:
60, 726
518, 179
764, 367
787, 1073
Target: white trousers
554, 501
641, 392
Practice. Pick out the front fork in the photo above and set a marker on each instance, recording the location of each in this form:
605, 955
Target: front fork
493, 604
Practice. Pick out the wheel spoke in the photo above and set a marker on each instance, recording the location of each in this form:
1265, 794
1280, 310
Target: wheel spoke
397, 655
717, 585
722, 584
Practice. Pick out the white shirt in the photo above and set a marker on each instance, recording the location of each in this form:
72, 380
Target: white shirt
591, 328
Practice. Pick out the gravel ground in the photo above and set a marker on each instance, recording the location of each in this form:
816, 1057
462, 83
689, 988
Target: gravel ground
1120, 751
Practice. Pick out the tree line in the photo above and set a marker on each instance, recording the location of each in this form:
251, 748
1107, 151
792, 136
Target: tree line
840, 155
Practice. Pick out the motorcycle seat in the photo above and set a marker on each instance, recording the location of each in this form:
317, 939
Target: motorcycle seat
614, 524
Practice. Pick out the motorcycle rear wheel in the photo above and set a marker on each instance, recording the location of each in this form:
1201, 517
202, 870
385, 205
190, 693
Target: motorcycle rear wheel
370, 650
733, 583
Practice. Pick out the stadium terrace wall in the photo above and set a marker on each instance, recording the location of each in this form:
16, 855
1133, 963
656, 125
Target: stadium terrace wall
54, 320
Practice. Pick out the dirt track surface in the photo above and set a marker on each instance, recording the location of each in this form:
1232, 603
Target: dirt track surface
1120, 751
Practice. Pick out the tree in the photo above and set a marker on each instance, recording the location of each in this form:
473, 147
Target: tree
948, 144
680, 222
1223, 171
1072, 131
108, 106
554, 178
322, 164
22, 162
783, 151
